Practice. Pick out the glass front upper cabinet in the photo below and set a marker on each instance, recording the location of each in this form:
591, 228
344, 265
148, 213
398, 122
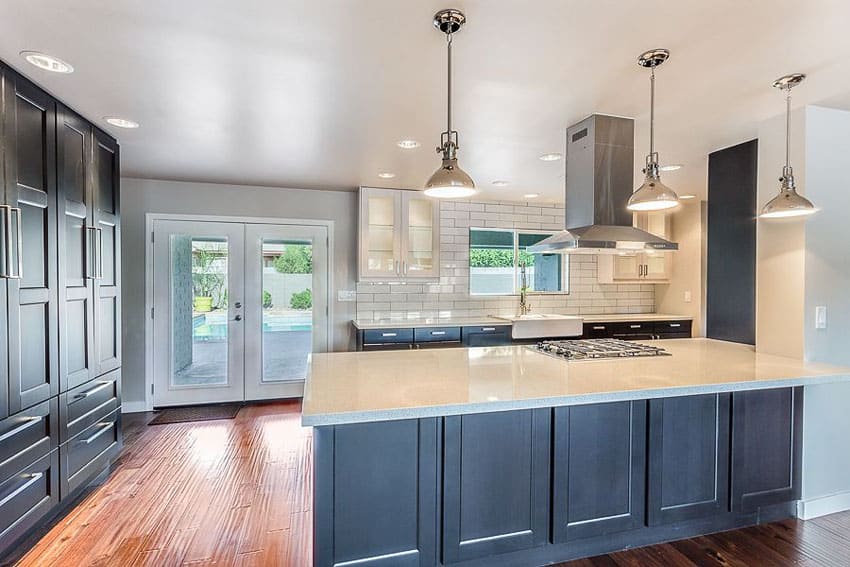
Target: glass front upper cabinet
399, 235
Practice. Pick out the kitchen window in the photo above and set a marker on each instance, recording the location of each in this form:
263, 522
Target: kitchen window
496, 256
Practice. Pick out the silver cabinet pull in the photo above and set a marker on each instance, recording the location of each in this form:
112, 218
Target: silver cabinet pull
19, 245
91, 252
32, 478
599, 327
396, 267
389, 334
104, 427
675, 324
438, 333
13, 243
487, 329
634, 326
5, 241
99, 254
30, 421
92, 391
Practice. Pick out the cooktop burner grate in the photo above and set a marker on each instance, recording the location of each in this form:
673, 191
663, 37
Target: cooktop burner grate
586, 349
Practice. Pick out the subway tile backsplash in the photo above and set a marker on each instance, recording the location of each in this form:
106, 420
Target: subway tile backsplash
450, 297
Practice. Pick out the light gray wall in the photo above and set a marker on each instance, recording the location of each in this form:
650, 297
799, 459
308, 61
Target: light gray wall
142, 196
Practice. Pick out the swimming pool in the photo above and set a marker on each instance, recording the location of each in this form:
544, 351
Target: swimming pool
213, 326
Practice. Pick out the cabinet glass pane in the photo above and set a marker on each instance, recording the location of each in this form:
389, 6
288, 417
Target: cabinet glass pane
381, 234
287, 307
420, 244
199, 310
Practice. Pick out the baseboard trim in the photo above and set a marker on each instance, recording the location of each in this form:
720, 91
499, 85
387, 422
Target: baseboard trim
133, 407
817, 507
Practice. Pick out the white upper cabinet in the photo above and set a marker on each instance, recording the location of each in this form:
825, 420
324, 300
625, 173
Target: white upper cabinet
399, 236
647, 267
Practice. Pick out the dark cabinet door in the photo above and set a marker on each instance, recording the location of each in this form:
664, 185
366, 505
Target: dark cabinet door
487, 335
4, 352
107, 236
76, 268
495, 483
599, 469
29, 143
688, 458
376, 494
766, 444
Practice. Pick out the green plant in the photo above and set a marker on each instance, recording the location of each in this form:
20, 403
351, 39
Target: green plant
267, 299
302, 300
205, 282
497, 258
296, 259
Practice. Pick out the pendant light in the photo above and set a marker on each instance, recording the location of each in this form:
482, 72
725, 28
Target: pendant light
652, 195
449, 181
788, 203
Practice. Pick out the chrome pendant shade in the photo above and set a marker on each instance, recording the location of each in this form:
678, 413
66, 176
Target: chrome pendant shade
652, 195
449, 181
788, 203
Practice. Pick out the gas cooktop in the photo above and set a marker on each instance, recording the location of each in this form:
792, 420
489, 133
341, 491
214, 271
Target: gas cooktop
588, 349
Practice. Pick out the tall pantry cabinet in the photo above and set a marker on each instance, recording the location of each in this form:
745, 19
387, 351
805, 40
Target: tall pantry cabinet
60, 319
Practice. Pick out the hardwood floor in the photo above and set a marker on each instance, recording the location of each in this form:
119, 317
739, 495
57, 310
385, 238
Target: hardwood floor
238, 492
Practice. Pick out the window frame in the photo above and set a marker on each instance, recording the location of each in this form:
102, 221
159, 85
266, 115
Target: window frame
565, 265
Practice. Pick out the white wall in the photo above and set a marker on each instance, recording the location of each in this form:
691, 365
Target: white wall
142, 196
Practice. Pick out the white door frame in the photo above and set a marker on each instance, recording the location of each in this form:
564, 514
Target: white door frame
149, 221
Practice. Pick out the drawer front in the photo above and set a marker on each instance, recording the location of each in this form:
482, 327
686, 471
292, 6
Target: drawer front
85, 405
597, 330
436, 334
631, 328
387, 336
487, 335
673, 329
89, 453
27, 436
26, 497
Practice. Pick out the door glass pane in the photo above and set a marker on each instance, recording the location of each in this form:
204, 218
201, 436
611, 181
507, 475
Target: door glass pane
198, 310
287, 308
380, 255
420, 252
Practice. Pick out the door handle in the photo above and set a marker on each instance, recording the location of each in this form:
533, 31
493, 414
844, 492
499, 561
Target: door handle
104, 427
6, 237
99, 254
238, 318
237, 305
91, 238
92, 391
488, 329
13, 243
32, 478
30, 421
438, 333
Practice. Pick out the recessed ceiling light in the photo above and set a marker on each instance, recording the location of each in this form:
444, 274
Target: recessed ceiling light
121, 122
47, 62
531, 195
687, 196
386, 175
671, 167
554, 156
407, 144
500, 183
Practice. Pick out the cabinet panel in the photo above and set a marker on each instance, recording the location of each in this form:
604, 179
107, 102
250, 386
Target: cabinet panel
375, 495
495, 483
28, 436
380, 233
85, 405
29, 145
88, 454
599, 469
496, 335
688, 457
27, 497
421, 243
766, 445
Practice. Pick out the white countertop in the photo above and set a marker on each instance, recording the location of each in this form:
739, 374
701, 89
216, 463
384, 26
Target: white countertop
493, 320
352, 387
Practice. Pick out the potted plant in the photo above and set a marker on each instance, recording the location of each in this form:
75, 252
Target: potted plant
204, 281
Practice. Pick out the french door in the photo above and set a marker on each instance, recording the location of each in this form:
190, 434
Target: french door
238, 308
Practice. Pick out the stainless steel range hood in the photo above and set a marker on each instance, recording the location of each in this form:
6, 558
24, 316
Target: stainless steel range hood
599, 179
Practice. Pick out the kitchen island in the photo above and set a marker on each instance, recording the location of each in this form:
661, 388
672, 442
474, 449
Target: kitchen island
506, 456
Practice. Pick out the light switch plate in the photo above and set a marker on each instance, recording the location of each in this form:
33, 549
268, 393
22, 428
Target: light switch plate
820, 317
687, 296
346, 295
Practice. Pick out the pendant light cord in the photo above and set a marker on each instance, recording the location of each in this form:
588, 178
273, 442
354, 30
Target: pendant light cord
787, 132
652, 109
449, 82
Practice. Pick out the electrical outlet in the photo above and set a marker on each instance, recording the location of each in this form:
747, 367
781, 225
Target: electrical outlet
346, 295
820, 317
687, 296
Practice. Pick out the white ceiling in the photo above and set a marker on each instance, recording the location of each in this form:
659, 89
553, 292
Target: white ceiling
316, 93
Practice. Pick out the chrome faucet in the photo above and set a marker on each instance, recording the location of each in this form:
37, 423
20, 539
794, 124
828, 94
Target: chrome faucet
524, 306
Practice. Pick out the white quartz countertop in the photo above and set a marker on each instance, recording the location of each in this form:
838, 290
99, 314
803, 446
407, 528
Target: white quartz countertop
353, 387
493, 320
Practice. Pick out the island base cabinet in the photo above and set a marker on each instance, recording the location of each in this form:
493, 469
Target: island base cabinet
599, 470
766, 445
495, 483
375, 494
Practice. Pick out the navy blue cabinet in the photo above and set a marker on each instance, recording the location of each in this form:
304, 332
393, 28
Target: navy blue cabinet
486, 335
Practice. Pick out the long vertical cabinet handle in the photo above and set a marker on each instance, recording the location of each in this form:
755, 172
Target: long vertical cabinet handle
16, 238
5, 241
99, 254
91, 253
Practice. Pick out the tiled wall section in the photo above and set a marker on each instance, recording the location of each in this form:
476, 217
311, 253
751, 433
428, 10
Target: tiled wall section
450, 298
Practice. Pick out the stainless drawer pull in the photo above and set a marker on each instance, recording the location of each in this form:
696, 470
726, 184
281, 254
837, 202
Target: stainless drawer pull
487, 329
33, 478
599, 327
389, 334
104, 427
675, 324
87, 393
30, 421
634, 326
438, 333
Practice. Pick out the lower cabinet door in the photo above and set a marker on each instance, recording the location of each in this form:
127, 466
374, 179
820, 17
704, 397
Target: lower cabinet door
89, 454
495, 483
375, 494
766, 444
28, 436
494, 335
688, 458
599, 469
26, 497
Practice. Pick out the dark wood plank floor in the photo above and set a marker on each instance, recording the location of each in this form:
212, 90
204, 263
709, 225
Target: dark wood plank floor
238, 492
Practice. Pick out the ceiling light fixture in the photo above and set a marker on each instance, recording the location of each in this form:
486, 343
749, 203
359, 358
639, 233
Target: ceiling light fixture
652, 195
121, 122
671, 167
554, 156
531, 195
449, 181
407, 144
386, 175
500, 183
788, 203
47, 62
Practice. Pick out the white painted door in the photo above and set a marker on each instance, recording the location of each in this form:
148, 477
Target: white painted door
198, 312
286, 306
